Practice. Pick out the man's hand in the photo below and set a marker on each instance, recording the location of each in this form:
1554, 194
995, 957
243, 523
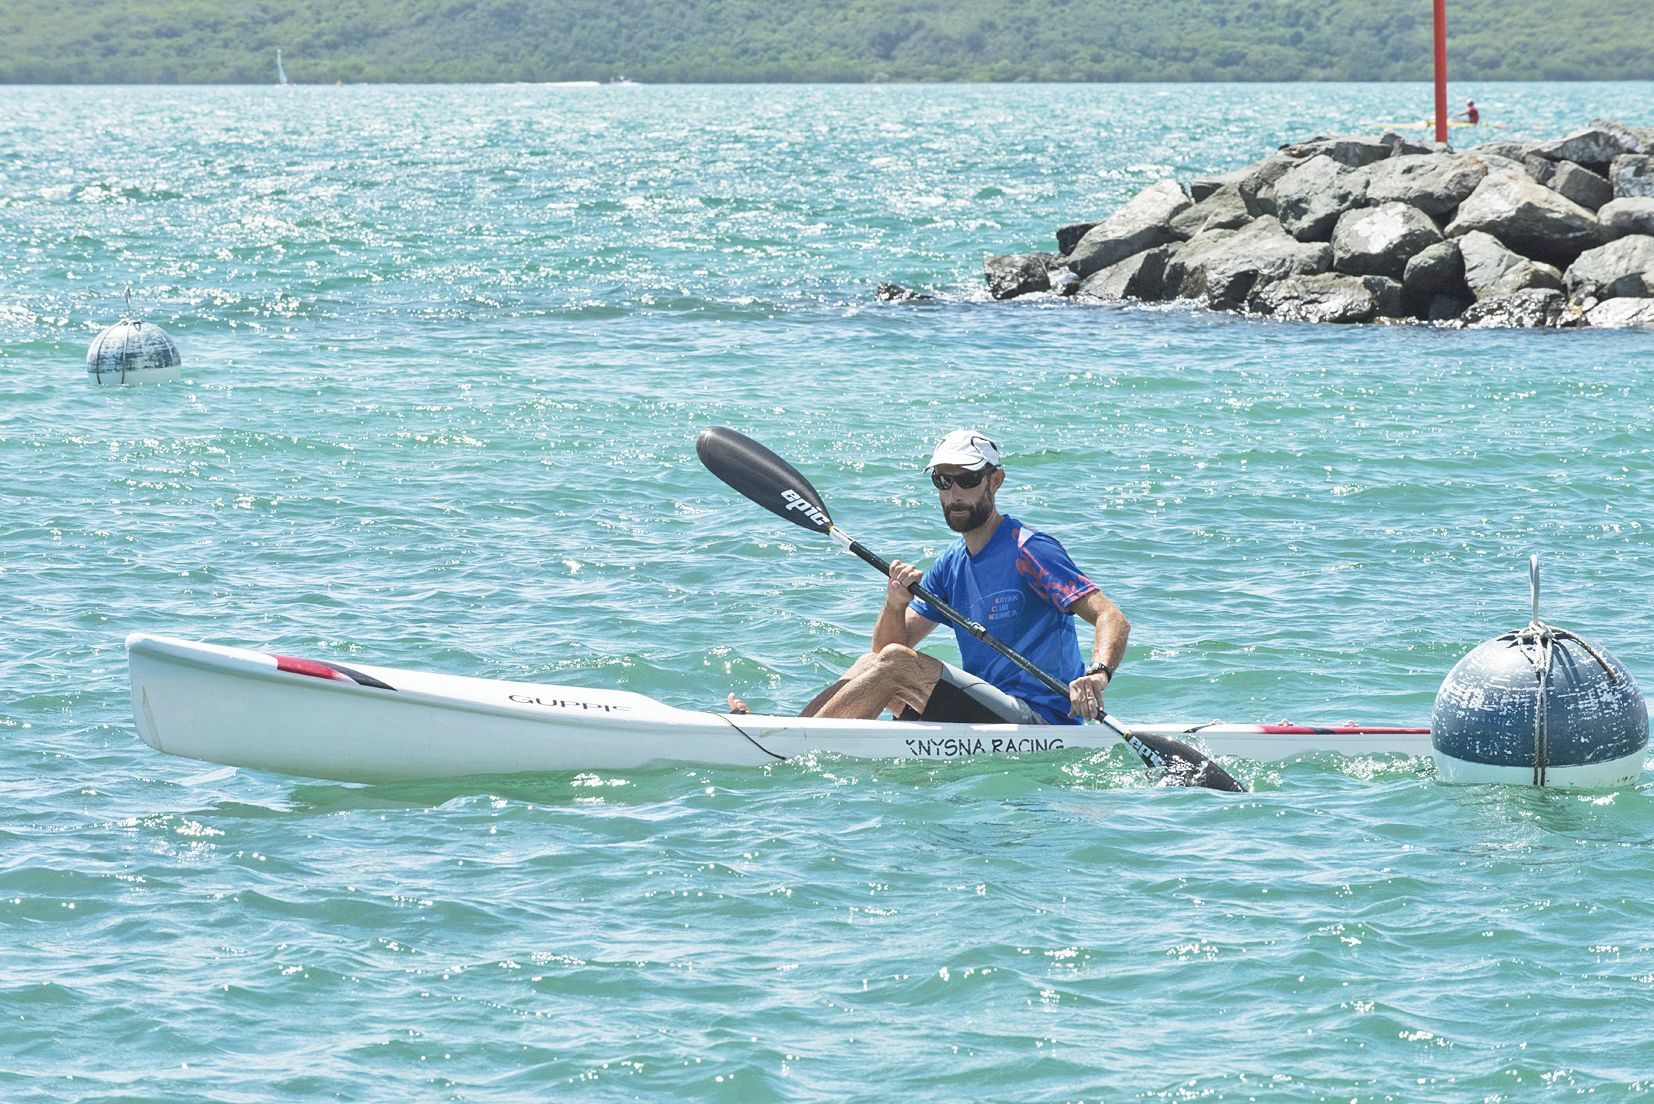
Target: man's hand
1085, 696
896, 594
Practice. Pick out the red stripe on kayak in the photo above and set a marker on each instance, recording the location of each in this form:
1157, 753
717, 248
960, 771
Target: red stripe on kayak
307, 667
1337, 730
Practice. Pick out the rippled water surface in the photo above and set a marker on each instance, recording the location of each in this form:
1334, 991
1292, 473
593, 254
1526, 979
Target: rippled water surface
446, 352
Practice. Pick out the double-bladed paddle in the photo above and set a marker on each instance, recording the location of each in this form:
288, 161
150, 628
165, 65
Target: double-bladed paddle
776, 485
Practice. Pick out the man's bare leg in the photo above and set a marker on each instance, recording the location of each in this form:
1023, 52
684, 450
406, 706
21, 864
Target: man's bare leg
857, 668
891, 679
887, 679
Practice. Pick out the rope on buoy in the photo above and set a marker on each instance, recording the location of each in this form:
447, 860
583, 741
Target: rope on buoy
1542, 638
128, 320
1542, 710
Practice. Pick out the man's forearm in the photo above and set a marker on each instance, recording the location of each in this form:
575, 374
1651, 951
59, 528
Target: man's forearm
891, 627
1108, 643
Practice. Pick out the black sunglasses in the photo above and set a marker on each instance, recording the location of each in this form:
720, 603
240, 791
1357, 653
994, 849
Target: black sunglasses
968, 480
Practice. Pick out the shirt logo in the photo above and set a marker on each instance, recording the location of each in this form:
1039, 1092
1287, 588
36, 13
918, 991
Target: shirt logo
1002, 605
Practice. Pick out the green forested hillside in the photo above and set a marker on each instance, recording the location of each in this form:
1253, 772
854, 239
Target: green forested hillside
208, 41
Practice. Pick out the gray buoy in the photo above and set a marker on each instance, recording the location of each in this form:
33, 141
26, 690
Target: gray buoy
132, 352
1542, 707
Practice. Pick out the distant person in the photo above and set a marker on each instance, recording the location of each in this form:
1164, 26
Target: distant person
1470, 114
1018, 582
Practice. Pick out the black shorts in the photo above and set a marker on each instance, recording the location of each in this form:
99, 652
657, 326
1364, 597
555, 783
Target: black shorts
961, 698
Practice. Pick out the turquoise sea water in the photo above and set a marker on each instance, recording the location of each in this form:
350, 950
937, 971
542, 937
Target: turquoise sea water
447, 350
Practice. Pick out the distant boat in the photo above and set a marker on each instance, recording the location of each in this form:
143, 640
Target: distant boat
623, 80
281, 74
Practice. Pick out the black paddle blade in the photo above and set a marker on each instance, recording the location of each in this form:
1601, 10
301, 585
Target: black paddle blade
762, 476
1182, 764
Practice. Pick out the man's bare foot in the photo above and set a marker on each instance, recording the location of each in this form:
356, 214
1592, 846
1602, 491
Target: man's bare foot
736, 705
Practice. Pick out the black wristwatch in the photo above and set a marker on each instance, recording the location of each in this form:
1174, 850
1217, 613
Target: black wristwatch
1101, 669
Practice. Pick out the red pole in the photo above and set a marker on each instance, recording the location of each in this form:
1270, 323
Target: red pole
1441, 71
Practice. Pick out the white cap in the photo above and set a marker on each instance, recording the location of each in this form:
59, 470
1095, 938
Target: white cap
965, 448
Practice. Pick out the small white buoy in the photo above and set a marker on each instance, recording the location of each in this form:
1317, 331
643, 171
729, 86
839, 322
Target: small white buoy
1542, 707
131, 352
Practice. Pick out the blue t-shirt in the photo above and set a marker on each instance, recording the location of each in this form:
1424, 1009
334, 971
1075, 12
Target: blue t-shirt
1020, 587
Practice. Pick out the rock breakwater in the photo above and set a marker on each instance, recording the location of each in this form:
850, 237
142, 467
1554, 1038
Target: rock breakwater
1352, 229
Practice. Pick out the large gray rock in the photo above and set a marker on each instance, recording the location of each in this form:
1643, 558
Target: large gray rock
1492, 271
1399, 145
1597, 144
1497, 164
896, 293
1539, 169
1436, 270
1622, 312
1069, 236
1013, 274
1203, 186
1223, 267
1620, 217
1257, 181
1225, 209
1139, 225
1514, 151
1645, 135
1378, 241
1310, 197
1622, 269
1446, 308
1187, 263
1529, 218
1534, 308
1434, 183
1392, 302
1140, 276
1581, 185
1352, 153
1632, 176
1324, 297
